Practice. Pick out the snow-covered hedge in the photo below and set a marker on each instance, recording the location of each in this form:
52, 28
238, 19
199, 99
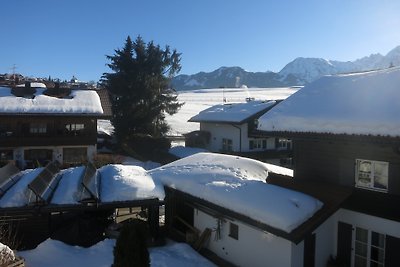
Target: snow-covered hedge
6, 254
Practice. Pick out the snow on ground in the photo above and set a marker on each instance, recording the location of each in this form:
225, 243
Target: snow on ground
80, 101
177, 255
359, 103
182, 151
201, 99
238, 184
52, 253
122, 183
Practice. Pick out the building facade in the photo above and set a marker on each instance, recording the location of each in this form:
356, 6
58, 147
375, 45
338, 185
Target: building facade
39, 125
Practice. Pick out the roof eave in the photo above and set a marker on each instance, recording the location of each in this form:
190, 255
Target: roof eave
315, 135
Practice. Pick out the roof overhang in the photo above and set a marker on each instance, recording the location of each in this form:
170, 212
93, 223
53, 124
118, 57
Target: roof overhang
297, 235
328, 136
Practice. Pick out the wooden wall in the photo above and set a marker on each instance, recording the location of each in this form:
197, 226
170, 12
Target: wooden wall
333, 161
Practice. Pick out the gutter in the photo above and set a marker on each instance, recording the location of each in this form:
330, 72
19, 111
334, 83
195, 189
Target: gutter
240, 137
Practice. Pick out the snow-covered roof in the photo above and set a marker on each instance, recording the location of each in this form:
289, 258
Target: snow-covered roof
360, 103
232, 113
184, 151
34, 85
78, 102
238, 184
118, 183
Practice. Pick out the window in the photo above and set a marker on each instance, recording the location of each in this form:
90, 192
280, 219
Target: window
75, 155
283, 144
234, 231
37, 157
226, 144
74, 128
368, 248
257, 144
38, 128
6, 154
372, 174
5, 129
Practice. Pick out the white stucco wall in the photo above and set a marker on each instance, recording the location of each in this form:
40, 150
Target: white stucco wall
220, 131
253, 248
297, 256
326, 233
369, 222
325, 241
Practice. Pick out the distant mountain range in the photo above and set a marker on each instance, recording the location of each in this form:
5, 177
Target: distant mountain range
298, 72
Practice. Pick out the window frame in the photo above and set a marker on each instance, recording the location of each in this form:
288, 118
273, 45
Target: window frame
74, 128
39, 128
233, 231
368, 246
227, 145
373, 175
257, 144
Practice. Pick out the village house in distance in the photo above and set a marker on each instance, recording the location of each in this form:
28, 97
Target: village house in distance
40, 125
346, 137
228, 128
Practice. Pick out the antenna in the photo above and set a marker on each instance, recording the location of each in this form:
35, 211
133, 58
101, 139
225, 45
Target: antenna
13, 68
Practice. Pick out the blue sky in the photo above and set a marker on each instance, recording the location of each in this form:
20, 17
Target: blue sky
62, 38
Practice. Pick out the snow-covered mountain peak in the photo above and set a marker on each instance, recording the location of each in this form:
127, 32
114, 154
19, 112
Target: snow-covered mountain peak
308, 69
298, 72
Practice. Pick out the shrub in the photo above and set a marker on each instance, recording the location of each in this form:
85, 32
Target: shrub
147, 147
130, 248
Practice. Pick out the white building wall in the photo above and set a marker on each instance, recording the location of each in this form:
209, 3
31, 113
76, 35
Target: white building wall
297, 255
325, 241
253, 248
271, 143
220, 131
376, 224
326, 233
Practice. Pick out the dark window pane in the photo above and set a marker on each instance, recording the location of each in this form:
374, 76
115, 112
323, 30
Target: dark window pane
362, 235
360, 262
378, 240
234, 231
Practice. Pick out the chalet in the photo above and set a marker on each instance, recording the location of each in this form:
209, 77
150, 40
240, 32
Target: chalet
228, 128
39, 125
346, 134
224, 207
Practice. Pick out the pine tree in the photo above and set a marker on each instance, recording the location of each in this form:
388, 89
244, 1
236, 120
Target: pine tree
140, 88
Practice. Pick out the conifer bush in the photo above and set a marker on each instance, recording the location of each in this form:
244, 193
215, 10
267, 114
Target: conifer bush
131, 248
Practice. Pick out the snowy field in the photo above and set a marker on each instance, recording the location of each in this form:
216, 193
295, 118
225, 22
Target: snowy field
201, 99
